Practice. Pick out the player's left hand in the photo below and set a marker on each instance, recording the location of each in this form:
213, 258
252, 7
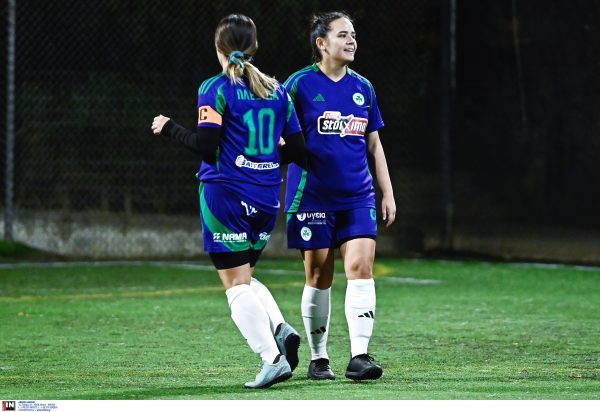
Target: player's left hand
388, 210
158, 123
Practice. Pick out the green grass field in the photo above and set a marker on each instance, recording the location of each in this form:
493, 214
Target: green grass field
444, 330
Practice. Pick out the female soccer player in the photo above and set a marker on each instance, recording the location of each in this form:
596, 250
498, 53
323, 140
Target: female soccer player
242, 113
332, 204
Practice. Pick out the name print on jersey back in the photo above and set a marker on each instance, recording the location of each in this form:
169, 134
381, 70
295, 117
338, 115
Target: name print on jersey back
246, 94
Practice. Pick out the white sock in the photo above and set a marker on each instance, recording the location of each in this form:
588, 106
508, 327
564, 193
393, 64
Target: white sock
360, 313
268, 302
251, 319
316, 311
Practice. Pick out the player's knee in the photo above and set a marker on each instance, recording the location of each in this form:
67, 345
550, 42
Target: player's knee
359, 269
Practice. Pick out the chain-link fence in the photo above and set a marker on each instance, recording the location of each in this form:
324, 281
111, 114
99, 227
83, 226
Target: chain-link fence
91, 180
527, 176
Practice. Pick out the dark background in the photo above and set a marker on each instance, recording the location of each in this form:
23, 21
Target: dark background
523, 158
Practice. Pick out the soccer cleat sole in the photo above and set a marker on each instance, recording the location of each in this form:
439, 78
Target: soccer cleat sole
321, 377
292, 343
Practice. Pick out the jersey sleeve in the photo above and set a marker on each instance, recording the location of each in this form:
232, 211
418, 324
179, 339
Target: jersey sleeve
292, 124
291, 86
375, 120
211, 104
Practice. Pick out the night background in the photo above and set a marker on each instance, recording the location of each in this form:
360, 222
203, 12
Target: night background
491, 107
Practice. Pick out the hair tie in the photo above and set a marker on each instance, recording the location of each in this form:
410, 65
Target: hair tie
236, 57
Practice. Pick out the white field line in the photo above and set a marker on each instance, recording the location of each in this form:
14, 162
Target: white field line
183, 265
409, 280
196, 266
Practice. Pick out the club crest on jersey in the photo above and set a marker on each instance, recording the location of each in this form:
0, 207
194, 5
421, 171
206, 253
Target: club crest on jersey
335, 123
358, 98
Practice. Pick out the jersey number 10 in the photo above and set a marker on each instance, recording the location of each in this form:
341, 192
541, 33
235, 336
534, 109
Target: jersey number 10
265, 118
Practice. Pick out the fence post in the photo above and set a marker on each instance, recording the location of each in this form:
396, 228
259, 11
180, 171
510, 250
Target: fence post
10, 121
448, 94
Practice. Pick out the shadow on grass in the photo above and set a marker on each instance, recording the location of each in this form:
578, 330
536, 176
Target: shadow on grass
191, 392
195, 392
298, 388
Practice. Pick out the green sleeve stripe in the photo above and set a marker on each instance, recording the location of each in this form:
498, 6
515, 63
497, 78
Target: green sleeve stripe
290, 110
372, 96
206, 85
299, 192
299, 72
293, 80
293, 91
220, 102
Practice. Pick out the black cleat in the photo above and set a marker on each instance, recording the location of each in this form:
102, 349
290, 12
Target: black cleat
319, 369
361, 367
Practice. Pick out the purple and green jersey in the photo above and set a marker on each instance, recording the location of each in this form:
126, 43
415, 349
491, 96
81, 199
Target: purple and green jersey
336, 117
247, 159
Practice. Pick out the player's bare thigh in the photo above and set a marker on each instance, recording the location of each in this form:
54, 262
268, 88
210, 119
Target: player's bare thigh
239, 275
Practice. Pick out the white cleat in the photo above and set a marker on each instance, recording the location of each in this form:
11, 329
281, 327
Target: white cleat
271, 373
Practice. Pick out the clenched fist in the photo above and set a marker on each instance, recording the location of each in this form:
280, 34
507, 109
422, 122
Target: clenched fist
158, 123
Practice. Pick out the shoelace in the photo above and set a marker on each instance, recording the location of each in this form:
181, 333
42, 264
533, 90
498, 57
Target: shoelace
367, 356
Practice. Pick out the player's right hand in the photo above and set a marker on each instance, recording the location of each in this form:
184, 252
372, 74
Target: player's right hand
158, 123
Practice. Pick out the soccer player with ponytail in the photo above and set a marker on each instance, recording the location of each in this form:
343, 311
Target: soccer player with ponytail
242, 113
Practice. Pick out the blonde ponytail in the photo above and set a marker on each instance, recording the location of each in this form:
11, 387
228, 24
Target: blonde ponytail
261, 85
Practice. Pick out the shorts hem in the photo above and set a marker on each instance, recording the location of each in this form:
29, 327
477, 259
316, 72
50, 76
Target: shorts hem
346, 239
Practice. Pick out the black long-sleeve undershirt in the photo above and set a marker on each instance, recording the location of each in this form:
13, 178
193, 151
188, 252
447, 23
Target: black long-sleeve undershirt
204, 141
294, 150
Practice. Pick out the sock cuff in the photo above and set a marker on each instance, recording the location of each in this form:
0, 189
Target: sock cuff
360, 293
316, 296
310, 289
315, 302
255, 282
361, 283
234, 292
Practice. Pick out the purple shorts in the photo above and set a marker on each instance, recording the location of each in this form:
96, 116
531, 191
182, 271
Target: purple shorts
320, 230
231, 223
